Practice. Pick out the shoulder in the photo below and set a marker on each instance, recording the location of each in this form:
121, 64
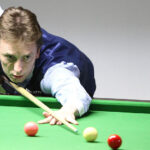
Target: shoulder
51, 39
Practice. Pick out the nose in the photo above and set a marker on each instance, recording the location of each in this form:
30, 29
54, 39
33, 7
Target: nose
18, 67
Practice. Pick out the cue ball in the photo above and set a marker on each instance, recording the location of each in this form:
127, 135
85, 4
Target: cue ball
90, 134
114, 141
31, 128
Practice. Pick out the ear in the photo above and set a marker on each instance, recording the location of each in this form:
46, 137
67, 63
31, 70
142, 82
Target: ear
38, 53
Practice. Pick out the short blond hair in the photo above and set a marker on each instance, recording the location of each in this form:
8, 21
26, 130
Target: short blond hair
20, 24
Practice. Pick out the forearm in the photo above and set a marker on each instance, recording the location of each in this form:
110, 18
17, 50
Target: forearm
74, 95
64, 84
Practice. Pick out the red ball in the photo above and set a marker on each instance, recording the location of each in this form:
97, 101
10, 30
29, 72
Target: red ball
114, 141
31, 128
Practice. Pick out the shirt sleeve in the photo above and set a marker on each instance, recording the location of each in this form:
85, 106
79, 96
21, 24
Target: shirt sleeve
62, 81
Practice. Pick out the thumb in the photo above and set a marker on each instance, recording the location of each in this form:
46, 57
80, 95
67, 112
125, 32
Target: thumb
45, 114
71, 120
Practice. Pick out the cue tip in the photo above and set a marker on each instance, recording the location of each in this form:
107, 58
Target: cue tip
76, 131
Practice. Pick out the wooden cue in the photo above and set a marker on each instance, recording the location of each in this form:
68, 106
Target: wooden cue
41, 105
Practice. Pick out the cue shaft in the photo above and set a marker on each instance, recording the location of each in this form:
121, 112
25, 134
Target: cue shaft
41, 105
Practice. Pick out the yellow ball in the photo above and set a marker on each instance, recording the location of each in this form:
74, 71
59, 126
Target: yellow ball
90, 134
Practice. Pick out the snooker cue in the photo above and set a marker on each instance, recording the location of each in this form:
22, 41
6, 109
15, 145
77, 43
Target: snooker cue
32, 98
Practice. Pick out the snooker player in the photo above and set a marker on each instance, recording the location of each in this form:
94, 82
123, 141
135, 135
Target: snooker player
44, 64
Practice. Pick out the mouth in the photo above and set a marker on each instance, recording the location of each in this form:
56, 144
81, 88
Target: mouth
17, 77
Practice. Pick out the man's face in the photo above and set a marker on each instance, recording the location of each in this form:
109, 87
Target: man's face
18, 59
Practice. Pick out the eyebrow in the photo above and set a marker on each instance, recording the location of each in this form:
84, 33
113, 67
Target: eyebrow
9, 54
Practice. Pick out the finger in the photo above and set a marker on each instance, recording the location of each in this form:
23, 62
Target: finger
52, 121
46, 114
71, 120
46, 120
59, 123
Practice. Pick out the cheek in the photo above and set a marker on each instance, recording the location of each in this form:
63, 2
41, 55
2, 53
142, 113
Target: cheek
29, 66
6, 67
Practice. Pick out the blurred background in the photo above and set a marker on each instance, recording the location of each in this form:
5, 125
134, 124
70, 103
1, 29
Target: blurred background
114, 34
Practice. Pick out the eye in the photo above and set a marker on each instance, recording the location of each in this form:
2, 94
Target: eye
10, 58
26, 58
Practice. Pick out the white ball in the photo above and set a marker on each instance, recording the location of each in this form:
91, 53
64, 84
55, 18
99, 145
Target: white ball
90, 134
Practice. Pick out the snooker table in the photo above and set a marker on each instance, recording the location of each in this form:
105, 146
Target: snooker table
129, 119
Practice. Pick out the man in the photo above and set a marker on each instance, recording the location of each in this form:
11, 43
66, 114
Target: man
45, 64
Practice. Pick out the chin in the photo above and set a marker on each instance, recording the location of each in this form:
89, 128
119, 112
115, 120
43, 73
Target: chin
17, 80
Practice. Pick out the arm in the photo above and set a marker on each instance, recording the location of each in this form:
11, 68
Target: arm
62, 80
